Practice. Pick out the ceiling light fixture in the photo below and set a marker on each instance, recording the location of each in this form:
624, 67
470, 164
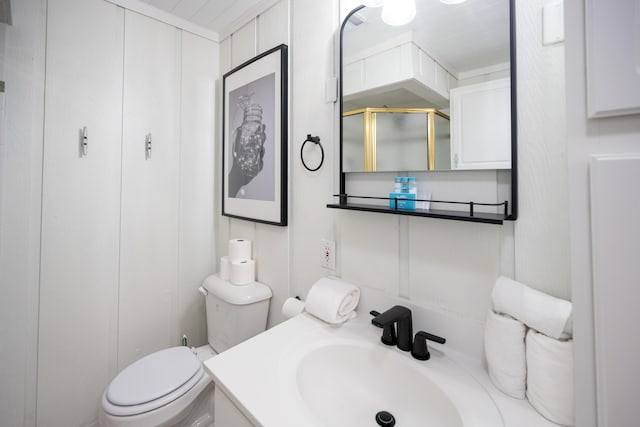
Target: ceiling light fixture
373, 3
398, 12
452, 1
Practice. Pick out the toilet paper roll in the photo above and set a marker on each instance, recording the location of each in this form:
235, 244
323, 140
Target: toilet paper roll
224, 268
239, 250
242, 272
292, 307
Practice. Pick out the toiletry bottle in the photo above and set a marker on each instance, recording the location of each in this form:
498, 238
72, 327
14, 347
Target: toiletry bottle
397, 188
413, 185
405, 185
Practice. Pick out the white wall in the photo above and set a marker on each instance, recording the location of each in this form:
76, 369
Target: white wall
617, 135
22, 66
541, 231
271, 244
448, 266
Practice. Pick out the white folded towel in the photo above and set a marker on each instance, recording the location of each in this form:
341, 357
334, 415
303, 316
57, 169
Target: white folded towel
332, 300
505, 353
537, 310
550, 377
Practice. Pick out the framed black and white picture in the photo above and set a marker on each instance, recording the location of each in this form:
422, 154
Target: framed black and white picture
254, 149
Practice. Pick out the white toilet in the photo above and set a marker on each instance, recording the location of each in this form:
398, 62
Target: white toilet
169, 387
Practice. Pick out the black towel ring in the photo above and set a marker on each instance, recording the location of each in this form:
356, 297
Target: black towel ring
315, 140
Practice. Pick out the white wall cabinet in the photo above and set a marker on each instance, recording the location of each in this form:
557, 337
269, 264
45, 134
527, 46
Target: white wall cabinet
126, 239
149, 240
481, 125
80, 210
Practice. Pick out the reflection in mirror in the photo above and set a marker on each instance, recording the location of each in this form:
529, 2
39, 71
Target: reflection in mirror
392, 139
452, 57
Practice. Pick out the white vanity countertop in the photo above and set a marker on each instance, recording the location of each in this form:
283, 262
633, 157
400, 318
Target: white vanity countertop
258, 377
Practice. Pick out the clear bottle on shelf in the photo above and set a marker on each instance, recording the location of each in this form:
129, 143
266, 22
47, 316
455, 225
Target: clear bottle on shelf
412, 184
405, 184
397, 188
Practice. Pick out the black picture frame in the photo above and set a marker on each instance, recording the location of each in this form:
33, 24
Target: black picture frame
254, 139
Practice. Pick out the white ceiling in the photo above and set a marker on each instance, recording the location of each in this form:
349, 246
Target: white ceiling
466, 36
219, 16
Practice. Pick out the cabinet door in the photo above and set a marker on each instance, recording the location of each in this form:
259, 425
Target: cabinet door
481, 126
149, 233
80, 210
197, 252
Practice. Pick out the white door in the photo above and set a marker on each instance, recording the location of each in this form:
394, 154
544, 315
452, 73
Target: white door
80, 209
149, 228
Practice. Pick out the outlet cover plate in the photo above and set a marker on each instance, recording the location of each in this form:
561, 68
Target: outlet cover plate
328, 254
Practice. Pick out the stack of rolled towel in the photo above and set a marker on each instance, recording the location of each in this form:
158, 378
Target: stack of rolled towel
529, 349
329, 299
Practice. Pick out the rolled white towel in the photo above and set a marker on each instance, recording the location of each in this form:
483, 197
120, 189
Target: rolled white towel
542, 312
550, 377
332, 300
505, 353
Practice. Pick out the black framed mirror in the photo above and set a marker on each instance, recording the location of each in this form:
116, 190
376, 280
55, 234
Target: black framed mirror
436, 96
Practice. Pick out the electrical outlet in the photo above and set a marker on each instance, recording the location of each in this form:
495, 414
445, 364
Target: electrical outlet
328, 253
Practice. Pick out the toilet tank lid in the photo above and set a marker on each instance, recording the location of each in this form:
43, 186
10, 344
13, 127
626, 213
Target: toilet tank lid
237, 294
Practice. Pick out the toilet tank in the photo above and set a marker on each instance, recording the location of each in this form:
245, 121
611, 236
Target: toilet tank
234, 313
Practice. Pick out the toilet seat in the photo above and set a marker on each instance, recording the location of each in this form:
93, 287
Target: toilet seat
152, 382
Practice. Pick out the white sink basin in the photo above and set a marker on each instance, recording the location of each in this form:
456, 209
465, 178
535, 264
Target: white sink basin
347, 384
305, 373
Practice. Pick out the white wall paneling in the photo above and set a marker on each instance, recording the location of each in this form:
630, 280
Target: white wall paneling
22, 65
615, 246
311, 63
542, 228
273, 27
455, 278
270, 243
243, 44
588, 138
81, 210
271, 249
377, 266
149, 230
613, 57
197, 159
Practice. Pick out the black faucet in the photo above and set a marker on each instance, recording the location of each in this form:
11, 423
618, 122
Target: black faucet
401, 316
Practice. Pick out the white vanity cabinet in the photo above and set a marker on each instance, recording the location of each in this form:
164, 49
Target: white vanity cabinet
126, 237
481, 125
227, 413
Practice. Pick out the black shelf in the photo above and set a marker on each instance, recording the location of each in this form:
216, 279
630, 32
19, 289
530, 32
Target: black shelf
487, 218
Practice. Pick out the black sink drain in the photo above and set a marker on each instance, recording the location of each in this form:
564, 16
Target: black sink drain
383, 418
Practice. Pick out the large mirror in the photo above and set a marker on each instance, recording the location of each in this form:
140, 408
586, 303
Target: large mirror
451, 59
435, 99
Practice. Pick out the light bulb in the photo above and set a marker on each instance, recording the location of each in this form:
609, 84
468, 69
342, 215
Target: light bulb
398, 12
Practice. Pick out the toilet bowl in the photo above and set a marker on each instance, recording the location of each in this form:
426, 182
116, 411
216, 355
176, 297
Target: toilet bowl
169, 387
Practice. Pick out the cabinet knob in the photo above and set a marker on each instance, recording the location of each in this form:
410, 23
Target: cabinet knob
147, 146
85, 141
